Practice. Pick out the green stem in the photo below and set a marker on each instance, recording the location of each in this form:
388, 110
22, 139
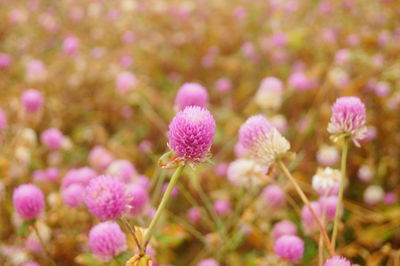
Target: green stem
163, 203
341, 190
48, 257
306, 202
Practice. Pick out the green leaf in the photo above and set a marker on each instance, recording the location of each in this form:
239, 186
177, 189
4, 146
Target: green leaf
23, 230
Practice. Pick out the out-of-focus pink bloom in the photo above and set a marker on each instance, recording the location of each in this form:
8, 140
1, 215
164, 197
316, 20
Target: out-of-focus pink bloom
5, 61
280, 123
122, 169
221, 169
128, 37
300, 82
239, 13
289, 247
137, 199
342, 57
32, 100
194, 215
328, 207
365, 173
35, 70
337, 261
28, 201
223, 85
145, 146
126, 61
282, 228
327, 155
3, 120
240, 151
100, 158
269, 94
273, 196
390, 198
71, 45
222, 207
208, 262
174, 192
191, 94
125, 82
73, 196
307, 219
52, 138
373, 195
81, 176
326, 182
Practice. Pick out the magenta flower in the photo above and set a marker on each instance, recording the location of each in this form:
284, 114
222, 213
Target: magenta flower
307, 219
191, 94
194, 215
191, 134
125, 81
222, 207
348, 119
337, 261
32, 100
71, 45
123, 169
328, 207
73, 196
208, 262
283, 228
52, 138
137, 198
273, 196
28, 201
81, 176
263, 142
5, 61
290, 248
269, 94
105, 197
100, 158
3, 120
106, 240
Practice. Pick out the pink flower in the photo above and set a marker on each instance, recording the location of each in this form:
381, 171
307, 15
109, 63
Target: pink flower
5, 61
194, 215
307, 219
191, 134
208, 262
222, 207
125, 81
223, 85
3, 120
32, 100
283, 228
71, 45
52, 138
73, 196
290, 248
191, 94
273, 196
105, 197
123, 169
107, 240
28, 201
137, 199
337, 261
100, 158
81, 176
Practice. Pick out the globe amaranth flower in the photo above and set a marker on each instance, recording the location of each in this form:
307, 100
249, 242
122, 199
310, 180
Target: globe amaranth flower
283, 228
32, 100
3, 120
348, 119
194, 215
73, 195
307, 219
326, 182
191, 134
289, 247
263, 142
81, 176
246, 173
100, 158
208, 262
328, 206
269, 94
137, 198
52, 138
105, 197
327, 155
28, 201
106, 240
222, 207
123, 169
191, 94
273, 196
337, 261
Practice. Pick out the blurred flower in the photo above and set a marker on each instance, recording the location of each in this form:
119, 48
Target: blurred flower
28, 201
337, 261
71, 45
81, 176
125, 82
299, 81
3, 120
73, 196
31, 263
222, 207
328, 206
327, 155
105, 197
246, 173
122, 169
390, 198
194, 215
35, 71
32, 100
191, 94
348, 118
263, 142
373, 195
52, 138
279, 122
365, 173
269, 94
273, 196
282, 228
307, 219
137, 199
223, 85
5, 61
107, 240
100, 158
326, 182
240, 151
221, 169
290, 248
208, 262
191, 134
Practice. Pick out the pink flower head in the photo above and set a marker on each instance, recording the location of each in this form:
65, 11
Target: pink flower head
52, 138
208, 262
71, 45
328, 155
263, 142
239, 150
307, 219
5, 61
328, 207
81, 176
105, 197
223, 85
3, 120
174, 191
73, 195
301, 82
31, 263
32, 100
337, 261
390, 198
52, 174
191, 94
28, 201
107, 240
191, 134
348, 118
123, 169
194, 215
365, 173
269, 94
326, 182
125, 81
273, 196
137, 198
35, 70
283, 228
289, 247
222, 207
100, 158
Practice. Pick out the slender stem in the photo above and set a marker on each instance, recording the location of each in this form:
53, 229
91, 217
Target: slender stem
307, 203
48, 257
163, 203
132, 231
345, 150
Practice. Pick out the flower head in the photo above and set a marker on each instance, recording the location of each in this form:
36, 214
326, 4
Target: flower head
32, 100
290, 248
269, 95
222, 207
73, 195
283, 228
191, 134
3, 120
28, 201
326, 182
208, 262
125, 81
137, 198
100, 158
81, 176
263, 142
337, 261
123, 169
348, 118
107, 240
273, 196
191, 94
307, 219
52, 138
105, 197
245, 173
